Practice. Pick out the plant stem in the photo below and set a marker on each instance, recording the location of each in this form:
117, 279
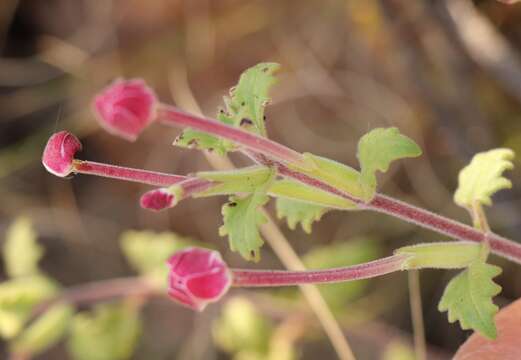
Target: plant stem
170, 115
264, 278
124, 173
418, 327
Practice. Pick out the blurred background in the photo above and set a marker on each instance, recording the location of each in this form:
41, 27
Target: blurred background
447, 73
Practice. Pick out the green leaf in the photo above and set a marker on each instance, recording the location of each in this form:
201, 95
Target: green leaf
193, 139
297, 191
110, 332
18, 298
250, 96
346, 253
468, 298
245, 180
21, 251
148, 251
336, 174
241, 217
47, 330
377, 149
244, 108
446, 255
241, 328
299, 212
479, 180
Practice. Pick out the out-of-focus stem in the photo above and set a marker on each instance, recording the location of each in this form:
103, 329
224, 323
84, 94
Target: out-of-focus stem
124, 173
415, 299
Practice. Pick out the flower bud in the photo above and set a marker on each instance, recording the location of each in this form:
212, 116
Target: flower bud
125, 108
59, 153
198, 277
157, 200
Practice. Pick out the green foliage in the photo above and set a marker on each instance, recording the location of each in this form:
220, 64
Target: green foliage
451, 255
297, 191
110, 332
148, 252
17, 299
241, 329
483, 177
21, 251
299, 212
244, 108
468, 298
242, 217
353, 252
48, 329
245, 180
377, 149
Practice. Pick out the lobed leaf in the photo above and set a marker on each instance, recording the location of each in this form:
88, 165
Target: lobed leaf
110, 332
243, 108
468, 298
299, 212
483, 177
21, 250
241, 217
377, 149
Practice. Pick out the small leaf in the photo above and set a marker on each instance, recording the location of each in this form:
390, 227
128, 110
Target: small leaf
250, 96
110, 332
299, 212
241, 328
193, 139
245, 180
297, 191
332, 172
47, 330
242, 218
446, 255
148, 252
377, 149
21, 251
244, 108
479, 180
17, 299
468, 298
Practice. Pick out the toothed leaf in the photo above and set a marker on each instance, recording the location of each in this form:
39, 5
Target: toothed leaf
243, 108
242, 218
297, 212
468, 298
377, 149
483, 177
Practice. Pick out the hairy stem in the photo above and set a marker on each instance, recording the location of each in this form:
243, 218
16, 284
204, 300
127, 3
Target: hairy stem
124, 173
170, 115
263, 278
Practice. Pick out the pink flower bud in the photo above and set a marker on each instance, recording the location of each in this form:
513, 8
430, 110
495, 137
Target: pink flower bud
125, 108
158, 199
59, 153
198, 277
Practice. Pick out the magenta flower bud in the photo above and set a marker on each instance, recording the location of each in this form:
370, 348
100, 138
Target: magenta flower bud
125, 108
59, 153
198, 277
158, 199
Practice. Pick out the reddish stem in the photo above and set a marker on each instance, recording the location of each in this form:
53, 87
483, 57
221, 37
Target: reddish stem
263, 278
170, 115
129, 174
